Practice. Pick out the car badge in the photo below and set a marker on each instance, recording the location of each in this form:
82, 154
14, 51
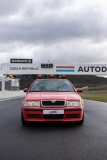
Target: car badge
53, 101
53, 112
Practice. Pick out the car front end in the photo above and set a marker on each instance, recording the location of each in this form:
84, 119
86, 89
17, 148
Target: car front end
52, 107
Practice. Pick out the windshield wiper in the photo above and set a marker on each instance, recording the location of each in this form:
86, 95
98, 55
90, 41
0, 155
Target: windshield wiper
55, 90
34, 91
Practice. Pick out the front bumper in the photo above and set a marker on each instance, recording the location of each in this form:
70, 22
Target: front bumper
69, 115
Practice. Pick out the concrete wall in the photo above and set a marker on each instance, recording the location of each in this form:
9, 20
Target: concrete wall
7, 85
9, 94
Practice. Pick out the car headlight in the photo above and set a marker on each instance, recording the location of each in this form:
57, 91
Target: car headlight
32, 103
74, 103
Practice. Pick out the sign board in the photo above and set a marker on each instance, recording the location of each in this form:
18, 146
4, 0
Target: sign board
21, 60
69, 69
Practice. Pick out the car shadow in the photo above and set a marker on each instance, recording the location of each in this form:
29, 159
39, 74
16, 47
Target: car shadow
52, 126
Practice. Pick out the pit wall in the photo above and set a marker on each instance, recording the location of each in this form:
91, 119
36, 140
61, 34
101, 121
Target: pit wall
11, 94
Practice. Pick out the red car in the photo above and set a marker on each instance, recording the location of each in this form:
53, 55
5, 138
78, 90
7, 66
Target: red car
52, 100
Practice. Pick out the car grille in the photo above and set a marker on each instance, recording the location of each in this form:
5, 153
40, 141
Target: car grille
72, 115
34, 115
53, 116
56, 103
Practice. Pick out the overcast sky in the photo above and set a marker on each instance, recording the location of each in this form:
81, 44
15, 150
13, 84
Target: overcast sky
62, 31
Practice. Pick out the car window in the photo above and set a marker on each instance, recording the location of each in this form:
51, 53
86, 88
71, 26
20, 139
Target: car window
49, 85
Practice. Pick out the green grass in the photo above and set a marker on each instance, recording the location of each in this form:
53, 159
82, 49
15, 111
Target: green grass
98, 96
98, 88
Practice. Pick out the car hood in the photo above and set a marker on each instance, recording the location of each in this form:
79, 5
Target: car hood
52, 95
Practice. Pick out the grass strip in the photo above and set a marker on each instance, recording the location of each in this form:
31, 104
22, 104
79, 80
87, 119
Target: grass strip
98, 88
102, 97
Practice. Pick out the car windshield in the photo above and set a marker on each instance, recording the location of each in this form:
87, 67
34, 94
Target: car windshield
50, 85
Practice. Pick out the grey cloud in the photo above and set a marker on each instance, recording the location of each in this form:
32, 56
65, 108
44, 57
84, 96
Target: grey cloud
8, 7
74, 51
52, 4
58, 34
44, 6
55, 27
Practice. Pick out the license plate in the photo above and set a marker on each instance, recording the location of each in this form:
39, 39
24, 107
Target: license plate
53, 111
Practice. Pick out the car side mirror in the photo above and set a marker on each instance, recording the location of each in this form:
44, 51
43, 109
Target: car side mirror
79, 89
25, 90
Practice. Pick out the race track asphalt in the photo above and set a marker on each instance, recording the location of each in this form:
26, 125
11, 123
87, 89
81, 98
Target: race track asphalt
53, 141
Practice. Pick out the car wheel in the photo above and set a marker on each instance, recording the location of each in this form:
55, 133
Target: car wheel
22, 119
80, 122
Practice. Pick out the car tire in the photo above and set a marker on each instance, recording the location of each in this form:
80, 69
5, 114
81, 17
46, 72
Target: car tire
80, 122
22, 119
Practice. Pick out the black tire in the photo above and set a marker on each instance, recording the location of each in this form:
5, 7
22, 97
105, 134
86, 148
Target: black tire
80, 122
22, 119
